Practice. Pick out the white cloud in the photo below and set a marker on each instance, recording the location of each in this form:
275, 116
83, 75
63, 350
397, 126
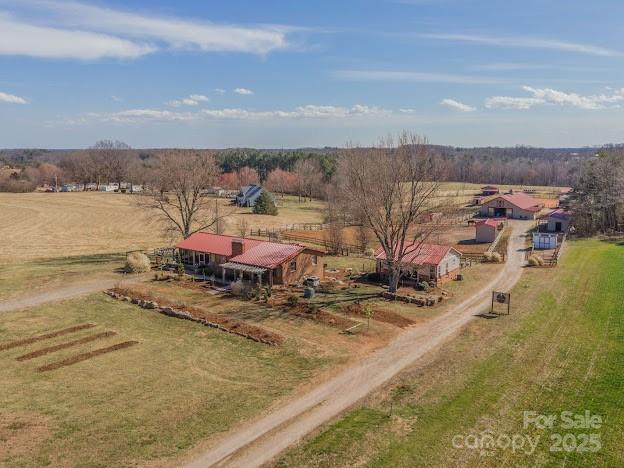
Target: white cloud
192, 100
116, 98
17, 38
55, 29
137, 116
11, 98
219, 91
243, 91
410, 76
561, 98
508, 66
507, 102
543, 96
529, 43
170, 31
460, 106
199, 98
311, 111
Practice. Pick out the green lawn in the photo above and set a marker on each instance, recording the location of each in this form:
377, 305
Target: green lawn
17, 278
562, 349
181, 384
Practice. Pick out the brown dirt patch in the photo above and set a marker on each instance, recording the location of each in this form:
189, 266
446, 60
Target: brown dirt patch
219, 321
21, 433
84, 356
322, 316
69, 344
34, 339
381, 315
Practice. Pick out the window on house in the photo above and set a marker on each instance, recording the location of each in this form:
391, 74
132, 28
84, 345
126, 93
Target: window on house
293, 265
314, 259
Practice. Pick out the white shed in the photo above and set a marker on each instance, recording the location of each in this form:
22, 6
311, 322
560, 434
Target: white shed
544, 240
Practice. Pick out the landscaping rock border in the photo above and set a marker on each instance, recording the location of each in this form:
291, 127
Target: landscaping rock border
226, 325
419, 301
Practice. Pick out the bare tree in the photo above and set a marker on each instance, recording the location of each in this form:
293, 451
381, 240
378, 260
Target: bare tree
309, 178
80, 167
598, 197
390, 187
177, 193
243, 227
112, 160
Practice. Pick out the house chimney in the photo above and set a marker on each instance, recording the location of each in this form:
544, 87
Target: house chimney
238, 247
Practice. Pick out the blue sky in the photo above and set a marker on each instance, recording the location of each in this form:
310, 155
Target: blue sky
310, 73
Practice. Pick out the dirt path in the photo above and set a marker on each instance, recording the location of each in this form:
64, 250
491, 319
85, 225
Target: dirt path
59, 294
262, 440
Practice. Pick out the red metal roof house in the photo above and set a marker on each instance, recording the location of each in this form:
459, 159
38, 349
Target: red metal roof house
429, 262
256, 260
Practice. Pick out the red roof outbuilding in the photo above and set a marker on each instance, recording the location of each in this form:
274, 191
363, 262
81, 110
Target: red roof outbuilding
429, 254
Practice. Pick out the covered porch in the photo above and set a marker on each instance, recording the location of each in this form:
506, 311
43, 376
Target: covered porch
253, 274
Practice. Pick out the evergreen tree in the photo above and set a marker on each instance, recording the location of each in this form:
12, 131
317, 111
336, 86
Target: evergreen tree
265, 204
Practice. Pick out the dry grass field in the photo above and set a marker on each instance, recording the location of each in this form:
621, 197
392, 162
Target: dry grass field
48, 225
181, 383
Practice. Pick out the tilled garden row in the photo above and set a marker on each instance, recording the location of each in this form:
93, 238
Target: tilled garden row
84, 356
307, 312
69, 344
194, 314
47, 336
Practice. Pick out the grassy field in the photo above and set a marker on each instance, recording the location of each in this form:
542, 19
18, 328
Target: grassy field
180, 384
561, 349
33, 276
47, 225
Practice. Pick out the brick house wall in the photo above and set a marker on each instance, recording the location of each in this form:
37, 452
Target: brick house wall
304, 267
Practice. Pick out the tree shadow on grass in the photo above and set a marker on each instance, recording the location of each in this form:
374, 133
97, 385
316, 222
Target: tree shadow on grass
618, 241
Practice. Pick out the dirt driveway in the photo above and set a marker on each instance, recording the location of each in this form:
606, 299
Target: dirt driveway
259, 441
70, 291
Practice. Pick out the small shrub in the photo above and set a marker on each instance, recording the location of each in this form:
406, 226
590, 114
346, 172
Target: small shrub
292, 300
496, 257
422, 286
137, 262
369, 252
238, 288
487, 257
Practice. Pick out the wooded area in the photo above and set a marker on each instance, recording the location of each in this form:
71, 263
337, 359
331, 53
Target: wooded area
25, 169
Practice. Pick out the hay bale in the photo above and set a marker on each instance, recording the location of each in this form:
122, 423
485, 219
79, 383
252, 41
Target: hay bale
137, 262
536, 260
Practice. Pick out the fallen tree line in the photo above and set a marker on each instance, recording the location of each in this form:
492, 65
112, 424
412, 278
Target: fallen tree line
194, 314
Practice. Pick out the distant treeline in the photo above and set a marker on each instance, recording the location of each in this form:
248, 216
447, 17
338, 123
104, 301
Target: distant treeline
518, 165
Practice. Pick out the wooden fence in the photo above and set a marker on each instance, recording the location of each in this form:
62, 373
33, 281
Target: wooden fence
276, 231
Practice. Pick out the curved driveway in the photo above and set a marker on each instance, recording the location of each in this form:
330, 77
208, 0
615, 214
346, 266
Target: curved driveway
265, 438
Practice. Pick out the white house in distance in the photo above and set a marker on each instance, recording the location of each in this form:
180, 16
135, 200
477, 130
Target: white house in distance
511, 205
428, 262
